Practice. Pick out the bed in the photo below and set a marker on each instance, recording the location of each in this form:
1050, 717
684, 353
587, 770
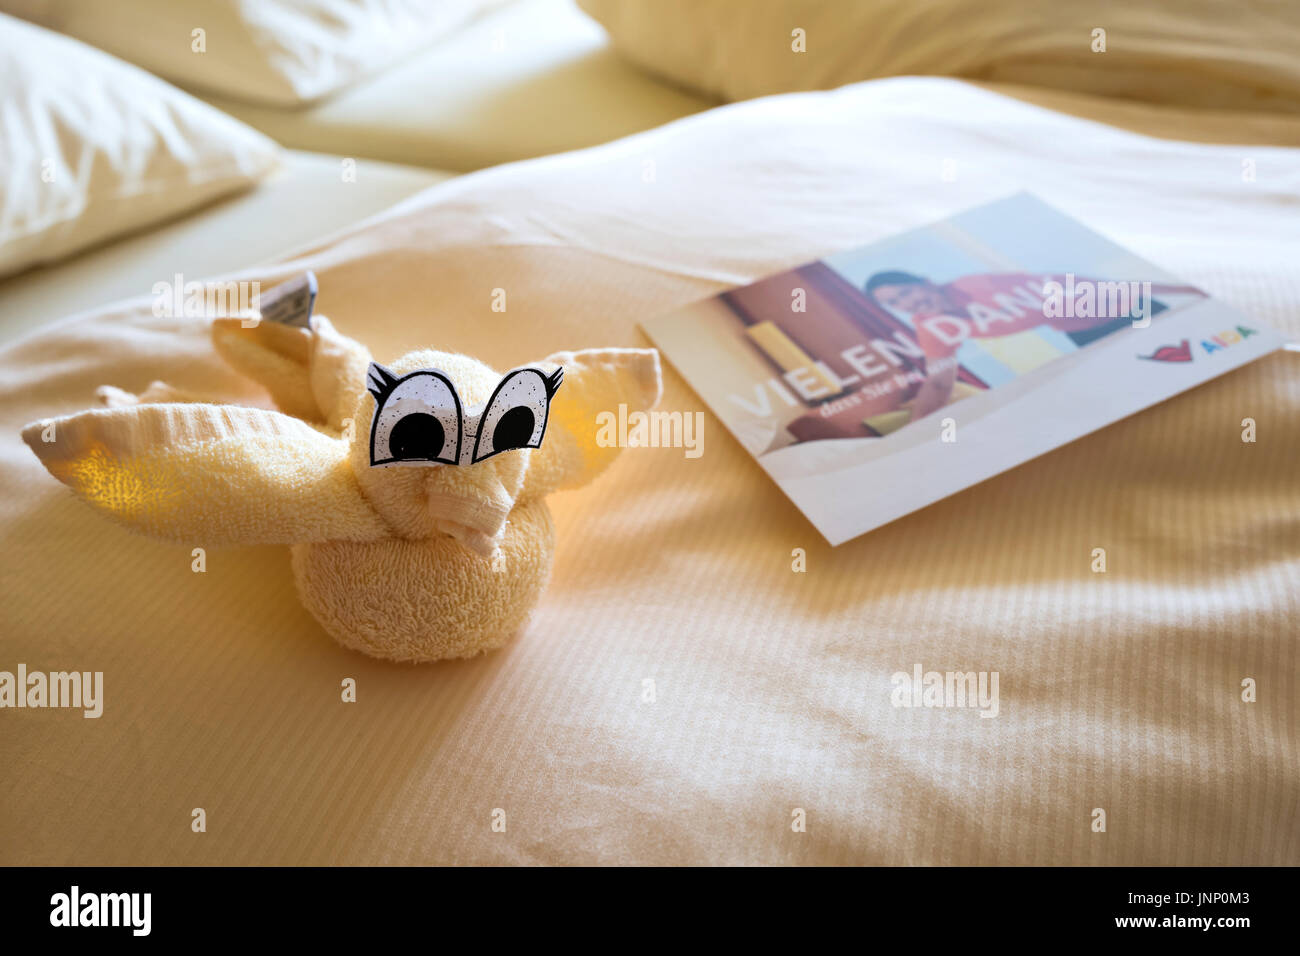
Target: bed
680, 696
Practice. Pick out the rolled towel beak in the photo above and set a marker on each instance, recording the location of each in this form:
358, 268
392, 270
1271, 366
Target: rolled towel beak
477, 523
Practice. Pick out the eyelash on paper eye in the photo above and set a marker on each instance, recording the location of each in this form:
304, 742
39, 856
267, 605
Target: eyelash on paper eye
419, 418
516, 414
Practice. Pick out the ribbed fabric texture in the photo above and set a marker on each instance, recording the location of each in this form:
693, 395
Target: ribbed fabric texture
680, 691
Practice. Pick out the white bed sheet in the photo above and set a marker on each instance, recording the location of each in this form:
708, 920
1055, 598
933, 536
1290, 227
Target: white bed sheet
307, 199
533, 78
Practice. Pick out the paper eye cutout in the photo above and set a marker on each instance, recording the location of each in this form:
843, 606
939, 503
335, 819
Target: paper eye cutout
417, 417
516, 414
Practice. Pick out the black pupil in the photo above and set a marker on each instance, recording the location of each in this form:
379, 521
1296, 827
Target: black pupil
417, 435
513, 429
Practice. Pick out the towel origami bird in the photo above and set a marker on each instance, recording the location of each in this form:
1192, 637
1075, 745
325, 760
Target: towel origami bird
412, 496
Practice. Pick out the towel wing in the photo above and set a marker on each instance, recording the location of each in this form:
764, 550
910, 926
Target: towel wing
208, 474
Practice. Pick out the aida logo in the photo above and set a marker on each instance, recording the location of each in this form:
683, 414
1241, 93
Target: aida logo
1182, 352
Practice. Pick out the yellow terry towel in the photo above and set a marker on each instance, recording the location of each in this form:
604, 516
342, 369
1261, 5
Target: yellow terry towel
404, 563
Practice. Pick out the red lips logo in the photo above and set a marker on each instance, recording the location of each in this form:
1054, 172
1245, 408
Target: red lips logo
1182, 352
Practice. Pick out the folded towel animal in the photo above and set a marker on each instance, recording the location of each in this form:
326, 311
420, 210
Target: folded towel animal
414, 536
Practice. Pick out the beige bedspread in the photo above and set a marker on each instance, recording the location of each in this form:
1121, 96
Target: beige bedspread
681, 693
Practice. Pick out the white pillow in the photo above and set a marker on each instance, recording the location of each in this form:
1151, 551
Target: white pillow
1203, 53
284, 52
91, 147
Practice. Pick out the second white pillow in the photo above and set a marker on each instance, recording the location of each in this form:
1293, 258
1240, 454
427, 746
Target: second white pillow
281, 52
